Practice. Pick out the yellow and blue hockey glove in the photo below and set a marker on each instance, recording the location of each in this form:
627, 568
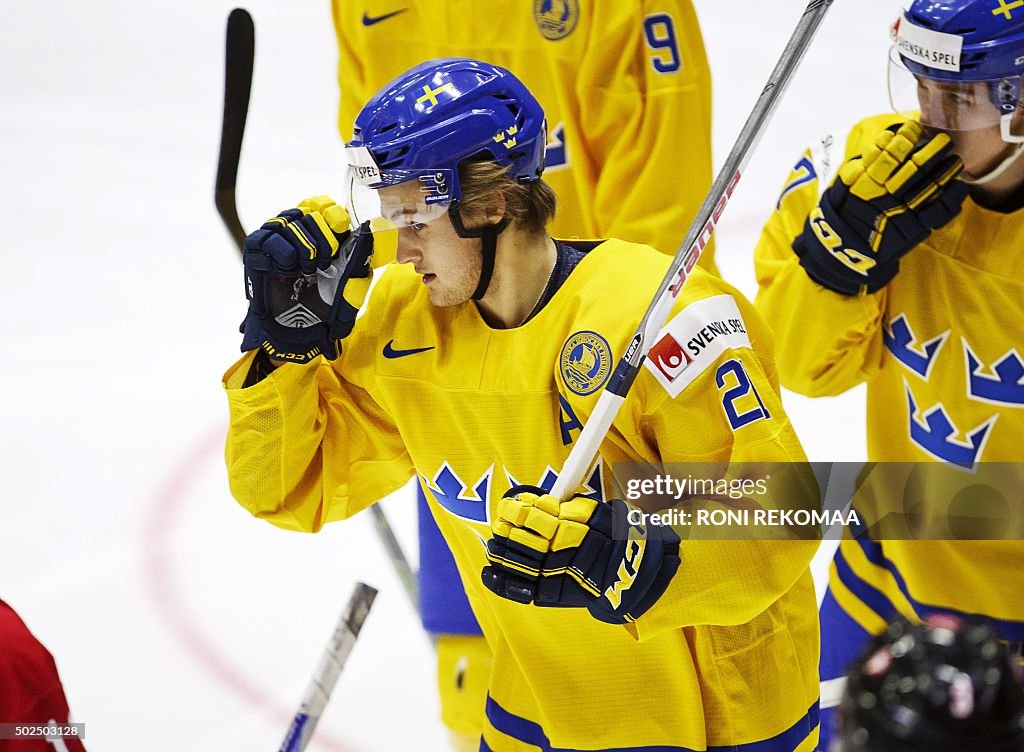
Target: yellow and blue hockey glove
882, 204
578, 553
306, 276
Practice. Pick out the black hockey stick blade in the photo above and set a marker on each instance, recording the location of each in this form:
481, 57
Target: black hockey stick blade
240, 49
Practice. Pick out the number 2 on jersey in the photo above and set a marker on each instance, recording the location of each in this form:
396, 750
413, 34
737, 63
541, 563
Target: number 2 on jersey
741, 388
660, 31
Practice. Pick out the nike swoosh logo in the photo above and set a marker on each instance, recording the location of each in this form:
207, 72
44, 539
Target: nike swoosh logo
391, 352
369, 20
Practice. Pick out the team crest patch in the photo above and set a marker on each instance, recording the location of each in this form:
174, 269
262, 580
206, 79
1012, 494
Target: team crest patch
585, 362
556, 19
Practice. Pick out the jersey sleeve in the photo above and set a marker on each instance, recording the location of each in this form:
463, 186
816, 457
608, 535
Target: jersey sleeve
721, 409
311, 444
647, 117
827, 343
30, 688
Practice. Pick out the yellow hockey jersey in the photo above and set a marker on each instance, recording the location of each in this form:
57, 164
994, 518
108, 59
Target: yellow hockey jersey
940, 349
728, 656
626, 88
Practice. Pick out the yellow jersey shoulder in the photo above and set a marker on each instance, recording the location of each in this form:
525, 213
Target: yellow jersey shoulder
629, 273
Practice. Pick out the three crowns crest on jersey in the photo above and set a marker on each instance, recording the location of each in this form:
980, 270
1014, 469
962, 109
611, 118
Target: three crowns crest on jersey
900, 340
1005, 385
935, 433
472, 501
934, 430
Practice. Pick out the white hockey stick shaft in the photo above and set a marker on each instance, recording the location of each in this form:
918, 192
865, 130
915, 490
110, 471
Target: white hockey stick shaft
336, 652
584, 452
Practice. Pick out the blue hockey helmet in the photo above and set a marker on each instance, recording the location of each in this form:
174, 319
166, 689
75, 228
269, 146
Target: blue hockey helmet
964, 47
427, 122
985, 39
442, 112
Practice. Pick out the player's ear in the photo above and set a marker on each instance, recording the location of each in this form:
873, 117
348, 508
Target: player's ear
488, 210
495, 210
1017, 125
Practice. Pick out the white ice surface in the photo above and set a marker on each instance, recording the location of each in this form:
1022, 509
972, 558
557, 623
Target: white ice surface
177, 621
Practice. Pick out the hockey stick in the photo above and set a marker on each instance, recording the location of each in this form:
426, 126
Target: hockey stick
240, 51
402, 567
585, 451
320, 686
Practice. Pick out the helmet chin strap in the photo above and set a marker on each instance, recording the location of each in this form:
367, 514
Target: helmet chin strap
1003, 166
488, 250
489, 237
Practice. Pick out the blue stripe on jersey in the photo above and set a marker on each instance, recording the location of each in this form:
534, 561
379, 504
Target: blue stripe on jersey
527, 731
1008, 629
869, 595
516, 726
842, 639
787, 741
842, 642
483, 746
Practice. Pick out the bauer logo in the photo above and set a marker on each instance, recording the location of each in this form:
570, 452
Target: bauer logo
585, 362
692, 341
556, 19
434, 186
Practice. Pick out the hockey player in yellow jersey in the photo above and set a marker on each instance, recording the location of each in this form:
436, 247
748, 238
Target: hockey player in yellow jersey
907, 273
626, 88
627, 93
474, 365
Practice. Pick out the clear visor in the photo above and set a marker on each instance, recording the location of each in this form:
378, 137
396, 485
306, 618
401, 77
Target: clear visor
414, 203
939, 103
388, 208
395, 199
393, 207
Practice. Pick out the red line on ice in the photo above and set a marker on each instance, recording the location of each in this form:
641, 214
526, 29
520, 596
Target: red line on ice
159, 574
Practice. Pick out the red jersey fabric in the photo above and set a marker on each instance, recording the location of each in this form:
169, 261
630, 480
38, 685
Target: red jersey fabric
30, 688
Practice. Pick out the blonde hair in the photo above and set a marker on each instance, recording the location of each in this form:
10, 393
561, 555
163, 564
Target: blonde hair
487, 187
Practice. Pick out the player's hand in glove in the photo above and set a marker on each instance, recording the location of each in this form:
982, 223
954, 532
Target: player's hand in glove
882, 204
578, 553
306, 275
